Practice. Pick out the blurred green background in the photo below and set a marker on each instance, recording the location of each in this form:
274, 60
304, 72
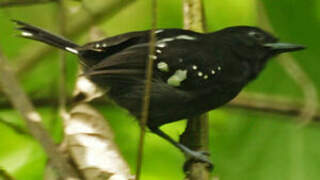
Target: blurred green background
245, 145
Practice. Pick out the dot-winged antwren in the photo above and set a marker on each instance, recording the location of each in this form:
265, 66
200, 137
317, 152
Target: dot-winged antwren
192, 74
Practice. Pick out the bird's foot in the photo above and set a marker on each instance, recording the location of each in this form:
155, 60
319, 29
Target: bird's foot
197, 156
191, 155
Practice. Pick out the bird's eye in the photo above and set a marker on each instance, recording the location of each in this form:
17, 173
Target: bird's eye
256, 35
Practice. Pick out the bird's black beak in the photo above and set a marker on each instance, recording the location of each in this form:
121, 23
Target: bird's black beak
280, 47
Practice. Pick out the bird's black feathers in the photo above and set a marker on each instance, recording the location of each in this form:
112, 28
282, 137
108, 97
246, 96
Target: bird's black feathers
193, 72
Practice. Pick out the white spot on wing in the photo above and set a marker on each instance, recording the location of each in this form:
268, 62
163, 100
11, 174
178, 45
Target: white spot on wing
153, 57
104, 45
161, 45
255, 34
219, 68
200, 73
97, 45
213, 72
162, 66
176, 79
158, 51
166, 40
159, 31
72, 50
252, 33
26, 34
186, 37
205, 77
194, 67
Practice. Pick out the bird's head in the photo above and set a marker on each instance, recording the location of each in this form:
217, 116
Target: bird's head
253, 42
255, 45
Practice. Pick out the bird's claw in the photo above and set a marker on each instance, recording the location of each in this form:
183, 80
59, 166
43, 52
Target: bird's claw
198, 156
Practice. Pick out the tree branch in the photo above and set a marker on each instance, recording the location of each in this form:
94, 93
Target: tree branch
196, 135
270, 104
21, 102
247, 101
62, 60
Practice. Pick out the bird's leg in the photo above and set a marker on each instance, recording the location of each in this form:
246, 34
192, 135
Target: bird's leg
190, 154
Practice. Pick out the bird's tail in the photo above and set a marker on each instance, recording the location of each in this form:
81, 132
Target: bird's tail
32, 32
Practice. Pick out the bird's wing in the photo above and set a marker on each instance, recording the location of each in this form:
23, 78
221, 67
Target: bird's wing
120, 42
94, 52
182, 62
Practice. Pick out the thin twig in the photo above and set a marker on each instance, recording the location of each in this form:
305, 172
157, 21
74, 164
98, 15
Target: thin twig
294, 70
305, 83
146, 97
196, 135
11, 3
270, 104
62, 61
21, 102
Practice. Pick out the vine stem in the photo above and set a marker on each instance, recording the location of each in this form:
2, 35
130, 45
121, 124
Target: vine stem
146, 97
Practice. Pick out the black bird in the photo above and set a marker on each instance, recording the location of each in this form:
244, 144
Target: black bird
193, 72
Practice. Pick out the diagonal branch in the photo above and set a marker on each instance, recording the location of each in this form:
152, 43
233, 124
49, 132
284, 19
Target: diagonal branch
21, 102
62, 60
